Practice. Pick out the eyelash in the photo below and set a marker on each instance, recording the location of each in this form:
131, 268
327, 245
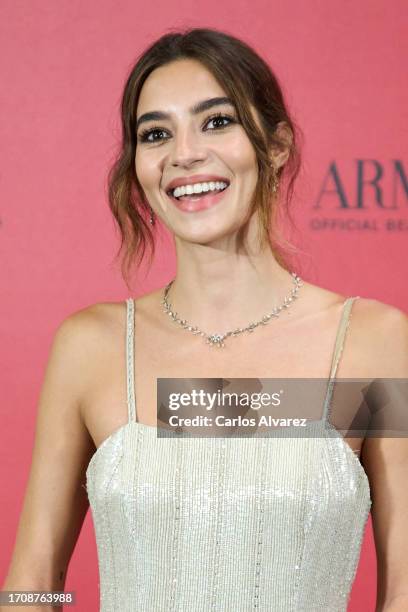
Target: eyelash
143, 136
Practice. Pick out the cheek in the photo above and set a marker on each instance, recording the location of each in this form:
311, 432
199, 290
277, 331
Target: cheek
241, 156
145, 172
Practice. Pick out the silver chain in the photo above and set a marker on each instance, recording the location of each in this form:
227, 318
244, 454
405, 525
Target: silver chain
218, 339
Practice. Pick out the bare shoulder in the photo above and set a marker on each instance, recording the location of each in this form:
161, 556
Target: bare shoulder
380, 331
93, 322
85, 337
100, 326
380, 312
377, 337
369, 315
381, 319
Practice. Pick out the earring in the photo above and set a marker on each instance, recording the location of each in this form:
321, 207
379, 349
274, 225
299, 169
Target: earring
275, 179
152, 220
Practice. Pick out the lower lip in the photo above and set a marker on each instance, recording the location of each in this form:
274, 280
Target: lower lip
202, 203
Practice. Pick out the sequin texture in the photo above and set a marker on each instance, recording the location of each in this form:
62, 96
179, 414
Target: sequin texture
269, 523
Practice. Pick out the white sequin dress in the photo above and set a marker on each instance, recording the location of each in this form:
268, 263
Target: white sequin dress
226, 524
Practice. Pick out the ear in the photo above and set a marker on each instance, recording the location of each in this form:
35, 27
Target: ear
280, 151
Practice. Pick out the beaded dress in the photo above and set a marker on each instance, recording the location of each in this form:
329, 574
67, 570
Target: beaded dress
226, 524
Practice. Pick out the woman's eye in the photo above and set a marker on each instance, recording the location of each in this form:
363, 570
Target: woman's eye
219, 118
145, 136
149, 134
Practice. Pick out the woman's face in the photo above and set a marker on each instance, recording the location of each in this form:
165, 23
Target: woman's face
193, 147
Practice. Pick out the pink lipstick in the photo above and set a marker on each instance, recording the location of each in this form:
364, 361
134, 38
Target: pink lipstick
197, 202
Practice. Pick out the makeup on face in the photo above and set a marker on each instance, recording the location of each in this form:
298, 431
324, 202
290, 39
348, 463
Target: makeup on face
198, 192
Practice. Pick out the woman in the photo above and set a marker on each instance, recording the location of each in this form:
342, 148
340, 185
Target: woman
212, 524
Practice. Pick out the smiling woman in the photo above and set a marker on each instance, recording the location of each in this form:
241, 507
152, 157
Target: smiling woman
241, 122
262, 521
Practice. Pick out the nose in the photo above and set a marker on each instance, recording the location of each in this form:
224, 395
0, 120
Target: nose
187, 148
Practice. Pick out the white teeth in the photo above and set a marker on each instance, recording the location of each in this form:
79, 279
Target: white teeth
199, 188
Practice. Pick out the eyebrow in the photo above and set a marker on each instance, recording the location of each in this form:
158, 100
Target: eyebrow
194, 110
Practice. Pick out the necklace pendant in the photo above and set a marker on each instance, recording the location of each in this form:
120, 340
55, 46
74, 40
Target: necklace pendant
216, 340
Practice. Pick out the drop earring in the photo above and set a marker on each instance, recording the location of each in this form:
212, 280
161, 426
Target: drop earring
152, 219
275, 179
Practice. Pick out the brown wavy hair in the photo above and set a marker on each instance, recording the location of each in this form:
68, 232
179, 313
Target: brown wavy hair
247, 79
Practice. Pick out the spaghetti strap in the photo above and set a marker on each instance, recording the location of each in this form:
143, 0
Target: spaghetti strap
338, 348
130, 362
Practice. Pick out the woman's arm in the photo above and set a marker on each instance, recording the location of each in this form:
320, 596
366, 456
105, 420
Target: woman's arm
386, 463
55, 502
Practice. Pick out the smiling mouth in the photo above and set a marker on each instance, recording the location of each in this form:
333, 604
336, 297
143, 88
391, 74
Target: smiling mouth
197, 202
196, 196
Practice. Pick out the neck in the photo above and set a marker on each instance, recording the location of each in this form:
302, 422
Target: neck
226, 291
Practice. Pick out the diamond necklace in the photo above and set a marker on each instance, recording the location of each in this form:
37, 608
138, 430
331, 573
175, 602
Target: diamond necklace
218, 339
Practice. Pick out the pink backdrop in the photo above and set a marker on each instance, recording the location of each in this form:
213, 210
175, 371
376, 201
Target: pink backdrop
63, 66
